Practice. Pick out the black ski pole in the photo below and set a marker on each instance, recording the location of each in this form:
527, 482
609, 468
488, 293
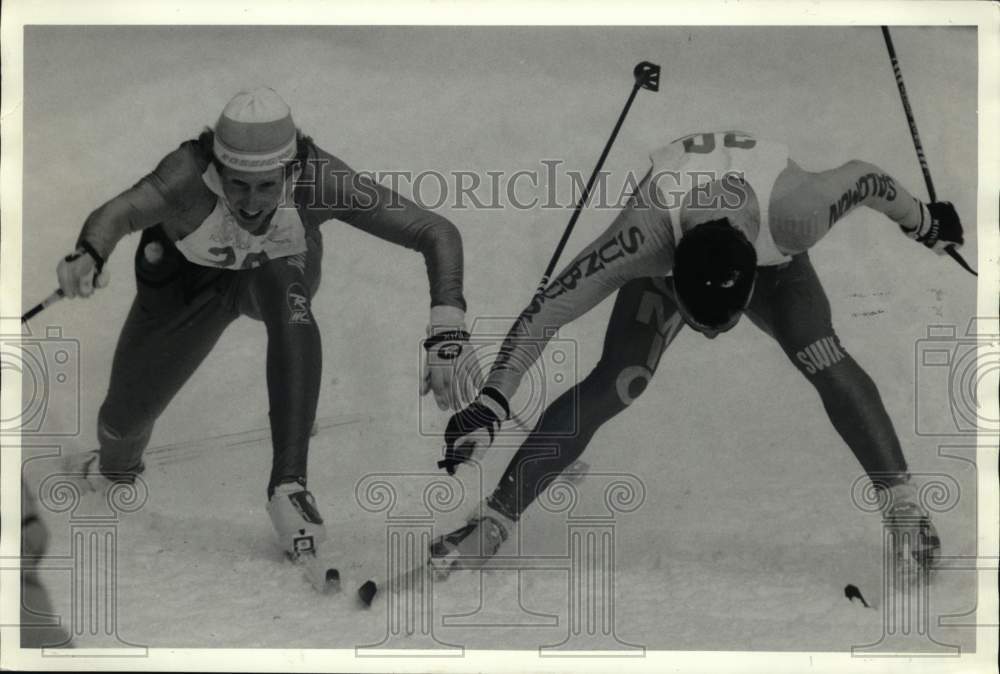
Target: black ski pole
916, 140
647, 76
51, 299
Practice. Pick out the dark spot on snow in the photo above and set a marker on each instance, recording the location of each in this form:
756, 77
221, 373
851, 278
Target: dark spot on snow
852, 592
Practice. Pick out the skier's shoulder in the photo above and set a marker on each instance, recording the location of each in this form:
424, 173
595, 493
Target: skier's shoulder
178, 175
321, 164
326, 184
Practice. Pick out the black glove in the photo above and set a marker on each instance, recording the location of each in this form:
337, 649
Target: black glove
474, 426
940, 229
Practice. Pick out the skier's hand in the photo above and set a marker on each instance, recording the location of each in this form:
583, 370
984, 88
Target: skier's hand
473, 427
81, 272
940, 229
449, 364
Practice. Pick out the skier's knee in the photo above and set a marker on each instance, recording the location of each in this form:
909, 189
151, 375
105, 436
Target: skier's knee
631, 382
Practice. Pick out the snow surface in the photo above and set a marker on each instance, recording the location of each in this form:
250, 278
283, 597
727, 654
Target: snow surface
747, 534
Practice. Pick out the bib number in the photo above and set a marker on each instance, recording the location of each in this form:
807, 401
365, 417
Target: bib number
704, 143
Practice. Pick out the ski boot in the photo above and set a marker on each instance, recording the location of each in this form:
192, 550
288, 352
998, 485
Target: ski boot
472, 544
300, 531
468, 547
912, 536
84, 470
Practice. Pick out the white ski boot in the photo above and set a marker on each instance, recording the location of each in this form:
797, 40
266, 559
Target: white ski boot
301, 532
468, 547
473, 544
913, 537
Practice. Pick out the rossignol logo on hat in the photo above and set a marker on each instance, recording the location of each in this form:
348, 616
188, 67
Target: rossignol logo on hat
244, 161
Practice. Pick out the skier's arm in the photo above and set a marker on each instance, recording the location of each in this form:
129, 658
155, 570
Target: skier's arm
359, 201
638, 243
149, 202
806, 205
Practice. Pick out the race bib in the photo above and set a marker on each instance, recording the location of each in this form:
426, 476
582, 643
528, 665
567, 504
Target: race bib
219, 241
703, 156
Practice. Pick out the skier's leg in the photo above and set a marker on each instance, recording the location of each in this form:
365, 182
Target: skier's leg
176, 318
279, 294
643, 322
794, 309
789, 303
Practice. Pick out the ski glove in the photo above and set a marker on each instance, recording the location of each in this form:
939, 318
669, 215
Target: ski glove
473, 427
939, 227
449, 364
81, 271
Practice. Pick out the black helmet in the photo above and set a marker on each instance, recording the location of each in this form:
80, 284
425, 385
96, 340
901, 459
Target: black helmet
715, 267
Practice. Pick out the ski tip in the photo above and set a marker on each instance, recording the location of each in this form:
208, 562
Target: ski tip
367, 592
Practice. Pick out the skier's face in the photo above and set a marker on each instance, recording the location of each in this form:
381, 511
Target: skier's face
709, 331
253, 196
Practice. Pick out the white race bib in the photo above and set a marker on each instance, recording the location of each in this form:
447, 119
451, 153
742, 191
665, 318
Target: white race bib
219, 240
706, 154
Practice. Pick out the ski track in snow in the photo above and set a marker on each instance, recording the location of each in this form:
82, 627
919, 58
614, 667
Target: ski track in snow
747, 535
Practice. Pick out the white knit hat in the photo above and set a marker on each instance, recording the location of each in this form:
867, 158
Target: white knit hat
255, 131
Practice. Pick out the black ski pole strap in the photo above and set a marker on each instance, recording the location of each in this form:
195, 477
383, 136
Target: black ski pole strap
448, 336
98, 258
85, 245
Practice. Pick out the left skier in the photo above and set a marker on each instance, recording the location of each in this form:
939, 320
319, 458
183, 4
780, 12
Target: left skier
230, 227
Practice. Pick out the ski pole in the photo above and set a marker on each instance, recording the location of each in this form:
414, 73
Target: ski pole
916, 141
48, 301
647, 76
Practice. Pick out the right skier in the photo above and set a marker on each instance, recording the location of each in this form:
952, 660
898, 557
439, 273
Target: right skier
719, 227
